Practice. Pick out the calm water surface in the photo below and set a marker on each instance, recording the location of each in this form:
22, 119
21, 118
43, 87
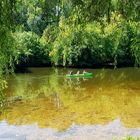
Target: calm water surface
45, 105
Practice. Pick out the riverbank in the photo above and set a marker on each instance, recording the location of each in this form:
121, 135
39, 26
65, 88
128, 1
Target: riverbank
21, 68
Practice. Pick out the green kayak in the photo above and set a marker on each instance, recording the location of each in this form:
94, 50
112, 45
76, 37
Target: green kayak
80, 75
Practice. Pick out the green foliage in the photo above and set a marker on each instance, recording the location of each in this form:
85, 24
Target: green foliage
7, 43
79, 33
29, 50
36, 15
135, 45
7, 50
131, 138
73, 44
69, 32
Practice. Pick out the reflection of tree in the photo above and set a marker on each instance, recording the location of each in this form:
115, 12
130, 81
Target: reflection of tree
3, 98
28, 86
2, 102
55, 101
54, 98
91, 109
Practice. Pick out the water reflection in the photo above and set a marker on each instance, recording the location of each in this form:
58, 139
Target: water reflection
51, 100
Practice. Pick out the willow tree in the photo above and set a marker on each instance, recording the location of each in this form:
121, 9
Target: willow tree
7, 47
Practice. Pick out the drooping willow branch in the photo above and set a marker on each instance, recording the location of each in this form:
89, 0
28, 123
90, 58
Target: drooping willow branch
7, 9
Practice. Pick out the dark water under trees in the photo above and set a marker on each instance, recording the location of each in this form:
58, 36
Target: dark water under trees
45, 105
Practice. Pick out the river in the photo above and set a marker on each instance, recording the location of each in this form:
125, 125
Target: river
44, 104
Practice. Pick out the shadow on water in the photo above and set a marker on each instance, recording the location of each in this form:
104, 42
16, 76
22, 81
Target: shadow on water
51, 100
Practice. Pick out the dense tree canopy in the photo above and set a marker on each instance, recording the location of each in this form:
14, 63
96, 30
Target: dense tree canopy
69, 32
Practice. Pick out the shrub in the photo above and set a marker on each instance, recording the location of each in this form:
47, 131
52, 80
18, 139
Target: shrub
30, 51
93, 43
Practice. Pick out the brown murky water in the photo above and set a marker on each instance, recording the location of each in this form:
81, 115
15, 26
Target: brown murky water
46, 105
